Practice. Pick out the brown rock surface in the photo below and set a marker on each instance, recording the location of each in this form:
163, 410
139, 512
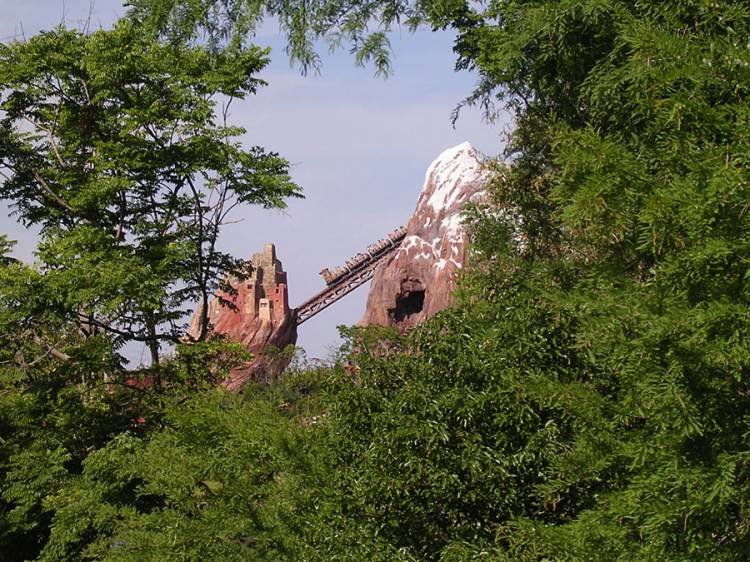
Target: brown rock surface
262, 318
419, 279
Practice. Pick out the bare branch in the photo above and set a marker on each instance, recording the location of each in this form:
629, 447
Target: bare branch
51, 138
87, 26
51, 350
86, 91
48, 190
128, 335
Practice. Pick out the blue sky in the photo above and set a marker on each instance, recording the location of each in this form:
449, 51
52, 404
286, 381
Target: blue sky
359, 147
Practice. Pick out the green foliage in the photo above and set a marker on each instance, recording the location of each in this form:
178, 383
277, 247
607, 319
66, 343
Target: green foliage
614, 312
209, 476
586, 399
230, 22
204, 486
630, 179
109, 144
447, 442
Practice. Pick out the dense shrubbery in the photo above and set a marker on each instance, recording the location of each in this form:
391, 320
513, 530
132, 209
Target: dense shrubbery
587, 398
617, 325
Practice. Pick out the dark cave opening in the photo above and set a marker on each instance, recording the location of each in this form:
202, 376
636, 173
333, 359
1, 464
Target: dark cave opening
406, 305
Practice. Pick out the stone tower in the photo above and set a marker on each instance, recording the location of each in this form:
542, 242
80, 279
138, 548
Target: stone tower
260, 318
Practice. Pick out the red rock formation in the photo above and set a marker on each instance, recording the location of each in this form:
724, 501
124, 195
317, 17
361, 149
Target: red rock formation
418, 281
262, 318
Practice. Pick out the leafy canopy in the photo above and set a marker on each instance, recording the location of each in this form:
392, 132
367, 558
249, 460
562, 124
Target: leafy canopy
629, 352
588, 397
111, 146
109, 143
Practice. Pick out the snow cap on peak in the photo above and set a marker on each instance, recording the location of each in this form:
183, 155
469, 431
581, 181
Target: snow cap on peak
460, 151
447, 175
450, 153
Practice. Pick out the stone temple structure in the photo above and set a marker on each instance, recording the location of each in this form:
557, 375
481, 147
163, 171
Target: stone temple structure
260, 318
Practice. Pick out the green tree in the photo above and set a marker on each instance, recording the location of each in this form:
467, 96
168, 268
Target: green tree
588, 397
207, 485
230, 22
111, 146
109, 143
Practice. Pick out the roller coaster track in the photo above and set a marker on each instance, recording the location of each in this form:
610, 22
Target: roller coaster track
352, 277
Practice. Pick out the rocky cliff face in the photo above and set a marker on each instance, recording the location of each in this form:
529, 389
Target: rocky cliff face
262, 318
418, 281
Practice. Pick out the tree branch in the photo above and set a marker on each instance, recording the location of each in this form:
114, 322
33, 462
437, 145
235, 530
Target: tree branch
56, 353
48, 190
128, 335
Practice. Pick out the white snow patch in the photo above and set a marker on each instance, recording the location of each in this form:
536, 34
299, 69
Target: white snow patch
425, 249
452, 228
412, 241
442, 263
451, 170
